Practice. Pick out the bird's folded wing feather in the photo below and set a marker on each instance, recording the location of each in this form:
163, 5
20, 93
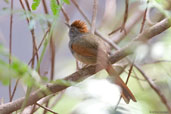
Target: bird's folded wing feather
85, 47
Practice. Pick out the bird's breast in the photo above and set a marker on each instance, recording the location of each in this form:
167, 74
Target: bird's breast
84, 59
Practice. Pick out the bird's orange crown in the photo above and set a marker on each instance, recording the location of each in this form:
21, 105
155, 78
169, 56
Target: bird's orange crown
80, 25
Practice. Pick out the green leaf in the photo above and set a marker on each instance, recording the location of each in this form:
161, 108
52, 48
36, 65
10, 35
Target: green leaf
66, 1
54, 7
19, 67
35, 4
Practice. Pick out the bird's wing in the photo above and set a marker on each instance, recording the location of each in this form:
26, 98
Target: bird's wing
85, 47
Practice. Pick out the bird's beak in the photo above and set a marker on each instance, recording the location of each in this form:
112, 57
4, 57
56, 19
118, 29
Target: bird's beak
67, 25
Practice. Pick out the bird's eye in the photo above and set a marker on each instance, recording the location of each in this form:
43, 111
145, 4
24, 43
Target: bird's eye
72, 30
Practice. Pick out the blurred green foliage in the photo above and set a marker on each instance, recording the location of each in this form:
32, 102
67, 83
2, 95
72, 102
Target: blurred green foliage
148, 99
35, 4
53, 5
15, 70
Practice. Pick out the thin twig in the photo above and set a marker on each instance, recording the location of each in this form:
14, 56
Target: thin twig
47, 104
125, 16
137, 78
15, 87
22, 5
52, 49
135, 18
35, 51
144, 18
10, 45
138, 81
33, 109
122, 27
129, 74
28, 6
77, 6
43, 101
52, 45
43, 39
156, 62
114, 31
58, 98
64, 13
93, 21
155, 88
10, 36
117, 103
32, 33
46, 108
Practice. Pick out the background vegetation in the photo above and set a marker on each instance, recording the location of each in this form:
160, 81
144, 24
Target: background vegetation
36, 65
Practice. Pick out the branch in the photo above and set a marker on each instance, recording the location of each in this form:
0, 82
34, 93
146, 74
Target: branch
10, 46
129, 25
144, 18
86, 72
125, 16
10, 36
41, 42
46, 108
122, 27
32, 33
155, 88
64, 13
35, 51
77, 6
93, 22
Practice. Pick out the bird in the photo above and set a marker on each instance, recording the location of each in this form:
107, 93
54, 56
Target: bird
90, 49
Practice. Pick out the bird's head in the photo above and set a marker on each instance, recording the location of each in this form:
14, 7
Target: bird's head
77, 28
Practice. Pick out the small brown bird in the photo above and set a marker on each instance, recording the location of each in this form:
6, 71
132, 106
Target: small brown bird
90, 49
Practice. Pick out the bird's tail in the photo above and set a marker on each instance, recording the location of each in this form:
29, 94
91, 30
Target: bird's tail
126, 93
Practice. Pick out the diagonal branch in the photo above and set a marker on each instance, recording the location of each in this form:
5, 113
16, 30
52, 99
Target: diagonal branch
93, 22
155, 88
32, 32
63, 12
122, 27
35, 51
77, 6
144, 18
46, 108
135, 18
